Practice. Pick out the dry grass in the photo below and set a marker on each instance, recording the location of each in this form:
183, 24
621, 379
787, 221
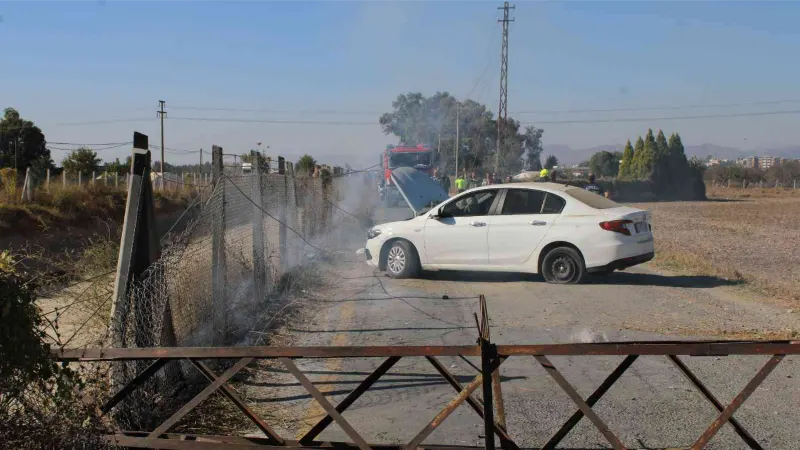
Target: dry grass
74, 207
749, 235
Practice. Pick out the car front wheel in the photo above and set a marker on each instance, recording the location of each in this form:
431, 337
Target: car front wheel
401, 260
563, 265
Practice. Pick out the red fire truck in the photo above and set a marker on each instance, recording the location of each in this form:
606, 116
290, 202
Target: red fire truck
419, 157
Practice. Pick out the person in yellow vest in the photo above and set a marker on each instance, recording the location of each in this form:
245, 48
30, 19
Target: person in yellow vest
461, 183
544, 175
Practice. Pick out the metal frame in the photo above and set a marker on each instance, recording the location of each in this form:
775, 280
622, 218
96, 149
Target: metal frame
491, 361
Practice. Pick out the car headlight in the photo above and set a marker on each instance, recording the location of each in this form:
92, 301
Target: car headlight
373, 233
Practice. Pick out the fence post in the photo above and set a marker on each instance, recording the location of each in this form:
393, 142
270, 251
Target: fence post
116, 180
291, 210
47, 183
259, 260
135, 238
218, 265
282, 230
63, 178
80, 179
26, 186
94, 175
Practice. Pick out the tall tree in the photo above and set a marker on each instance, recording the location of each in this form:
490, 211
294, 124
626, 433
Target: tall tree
118, 167
638, 155
648, 157
82, 160
532, 146
550, 162
22, 143
605, 164
626, 166
661, 167
676, 155
416, 119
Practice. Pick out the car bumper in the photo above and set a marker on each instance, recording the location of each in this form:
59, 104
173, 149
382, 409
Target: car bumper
372, 252
623, 263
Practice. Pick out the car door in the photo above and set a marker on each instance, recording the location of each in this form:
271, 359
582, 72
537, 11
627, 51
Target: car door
459, 235
524, 218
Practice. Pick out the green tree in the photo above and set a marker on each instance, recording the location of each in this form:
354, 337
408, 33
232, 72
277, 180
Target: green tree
416, 119
22, 143
532, 147
550, 162
626, 166
638, 155
662, 173
605, 164
82, 160
118, 167
305, 165
647, 159
676, 156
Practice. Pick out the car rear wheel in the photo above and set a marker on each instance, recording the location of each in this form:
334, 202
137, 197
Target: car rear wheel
402, 260
563, 265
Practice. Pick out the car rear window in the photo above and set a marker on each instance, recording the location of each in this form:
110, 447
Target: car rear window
591, 199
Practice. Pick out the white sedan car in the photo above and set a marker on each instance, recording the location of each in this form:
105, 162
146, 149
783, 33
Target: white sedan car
558, 231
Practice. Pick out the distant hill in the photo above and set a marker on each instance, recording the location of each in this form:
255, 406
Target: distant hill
568, 155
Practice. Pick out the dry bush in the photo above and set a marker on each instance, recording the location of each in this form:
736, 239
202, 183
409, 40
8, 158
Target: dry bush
756, 241
42, 404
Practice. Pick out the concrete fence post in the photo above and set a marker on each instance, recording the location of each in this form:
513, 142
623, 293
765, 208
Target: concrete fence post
259, 249
26, 186
94, 175
63, 178
80, 179
282, 229
47, 183
218, 263
116, 180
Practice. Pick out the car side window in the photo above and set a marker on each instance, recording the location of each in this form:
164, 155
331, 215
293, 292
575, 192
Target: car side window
553, 204
523, 201
474, 204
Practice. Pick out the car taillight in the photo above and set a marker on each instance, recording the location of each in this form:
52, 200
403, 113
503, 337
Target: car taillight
617, 226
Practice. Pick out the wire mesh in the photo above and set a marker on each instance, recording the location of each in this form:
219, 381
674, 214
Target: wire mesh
215, 281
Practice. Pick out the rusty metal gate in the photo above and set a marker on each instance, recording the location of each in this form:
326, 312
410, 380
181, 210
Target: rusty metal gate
489, 408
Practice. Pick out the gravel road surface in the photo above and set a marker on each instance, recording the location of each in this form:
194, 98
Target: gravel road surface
651, 407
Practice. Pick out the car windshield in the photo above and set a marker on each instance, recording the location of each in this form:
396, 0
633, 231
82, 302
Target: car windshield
591, 199
409, 159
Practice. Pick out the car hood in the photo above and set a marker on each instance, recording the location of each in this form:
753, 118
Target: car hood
417, 188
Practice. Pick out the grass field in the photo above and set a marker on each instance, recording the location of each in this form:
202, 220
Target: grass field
747, 235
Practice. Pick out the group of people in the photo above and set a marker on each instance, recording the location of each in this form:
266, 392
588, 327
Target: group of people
463, 183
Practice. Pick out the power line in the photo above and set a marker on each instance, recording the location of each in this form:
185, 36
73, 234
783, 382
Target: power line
77, 143
649, 119
656, 108
278, 111
297, 122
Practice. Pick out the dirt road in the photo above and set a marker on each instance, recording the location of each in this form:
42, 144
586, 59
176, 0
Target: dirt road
651, 406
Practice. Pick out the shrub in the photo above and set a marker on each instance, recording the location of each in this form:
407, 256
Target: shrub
40, 401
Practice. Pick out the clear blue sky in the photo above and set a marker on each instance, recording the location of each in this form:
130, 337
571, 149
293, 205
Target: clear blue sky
69, 62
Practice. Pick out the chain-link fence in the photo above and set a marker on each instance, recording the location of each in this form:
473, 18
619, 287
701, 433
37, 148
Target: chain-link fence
219, 278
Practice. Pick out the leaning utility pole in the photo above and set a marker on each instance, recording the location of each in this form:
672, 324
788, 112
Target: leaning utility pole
458, 144
502, 111
161, 113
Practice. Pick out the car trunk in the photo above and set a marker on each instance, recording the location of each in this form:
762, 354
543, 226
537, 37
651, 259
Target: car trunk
640, 218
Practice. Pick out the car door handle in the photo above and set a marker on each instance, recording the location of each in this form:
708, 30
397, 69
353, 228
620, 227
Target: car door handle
478, 224
538, 223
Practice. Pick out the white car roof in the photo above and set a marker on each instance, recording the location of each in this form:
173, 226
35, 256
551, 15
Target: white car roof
555, 187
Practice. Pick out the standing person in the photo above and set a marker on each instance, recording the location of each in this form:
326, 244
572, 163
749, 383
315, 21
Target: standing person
487, 179
474, 181
461, 184
594, 187
544, 175
509, 179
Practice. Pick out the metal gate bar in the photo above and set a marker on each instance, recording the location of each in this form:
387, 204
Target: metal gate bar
159, 438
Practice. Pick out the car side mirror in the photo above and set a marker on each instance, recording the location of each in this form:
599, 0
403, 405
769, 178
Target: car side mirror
440, 214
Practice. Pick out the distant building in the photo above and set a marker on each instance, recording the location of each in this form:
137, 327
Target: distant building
759, 162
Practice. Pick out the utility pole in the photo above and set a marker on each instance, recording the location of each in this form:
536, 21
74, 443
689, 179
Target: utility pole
161, 113
458, 121
502, 111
